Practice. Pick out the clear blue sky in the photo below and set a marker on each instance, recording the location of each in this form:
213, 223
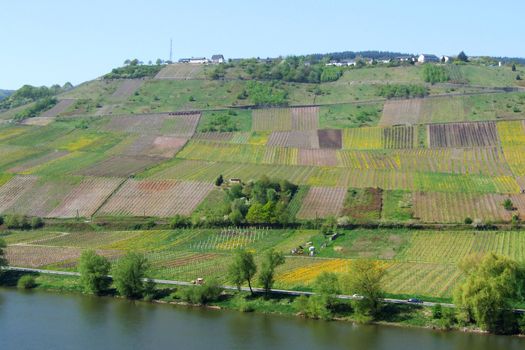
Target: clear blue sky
55, 41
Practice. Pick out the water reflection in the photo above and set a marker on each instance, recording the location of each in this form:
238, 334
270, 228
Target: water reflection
53, 321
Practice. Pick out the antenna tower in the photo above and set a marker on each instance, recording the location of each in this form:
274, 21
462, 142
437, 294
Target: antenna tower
171, 50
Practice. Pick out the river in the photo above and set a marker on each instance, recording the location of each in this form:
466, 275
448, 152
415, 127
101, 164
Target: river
41, 320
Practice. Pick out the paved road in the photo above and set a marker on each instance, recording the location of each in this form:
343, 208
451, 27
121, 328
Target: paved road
275, 291
183, 283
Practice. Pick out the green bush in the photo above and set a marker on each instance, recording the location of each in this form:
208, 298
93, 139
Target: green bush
508, 205
221, 122
402, 91
435, 74
202, 294
437, 311
26, 282
179, 221
39, 107
37, 222
17, 222
448, 319
266, 94
150, 224
134, 71
243, 305
314, 306
150, 291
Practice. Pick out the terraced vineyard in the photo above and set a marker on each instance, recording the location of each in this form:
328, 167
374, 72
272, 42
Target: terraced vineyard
13, 189
157, 124
321, 202
156, 198
456, 207
113, 149
276, 119
423, 263
463, 135
181, 71
84, 200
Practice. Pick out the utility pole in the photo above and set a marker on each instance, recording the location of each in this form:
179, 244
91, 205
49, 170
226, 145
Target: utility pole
171, 50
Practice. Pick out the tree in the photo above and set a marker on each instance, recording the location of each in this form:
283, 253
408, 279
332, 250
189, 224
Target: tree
435, 74
179, 221
462, 57
12, 221
493, 284
271, 260
129, 273
26, 282
327, 286
203, 294
513, 67
327, 283
320, 305
365, 278
158, 62
258, 213
518, 77
219, 180
508, 205
37, 222
127, 62
313, 307
242, 269
94, 270
236, 217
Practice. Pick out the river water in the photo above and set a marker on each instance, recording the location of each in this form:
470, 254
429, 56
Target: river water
40, 320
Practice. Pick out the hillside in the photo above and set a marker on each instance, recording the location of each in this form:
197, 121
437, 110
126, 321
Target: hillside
5, 93
377, 145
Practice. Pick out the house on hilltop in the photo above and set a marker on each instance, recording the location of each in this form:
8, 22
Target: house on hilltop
194, 60
217, 59
425, 58
199, 60
405, 58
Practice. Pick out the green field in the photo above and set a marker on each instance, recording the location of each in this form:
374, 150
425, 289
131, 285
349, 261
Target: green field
427, 258
349, 116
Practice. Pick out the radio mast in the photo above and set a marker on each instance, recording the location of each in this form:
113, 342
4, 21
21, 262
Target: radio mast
171, 50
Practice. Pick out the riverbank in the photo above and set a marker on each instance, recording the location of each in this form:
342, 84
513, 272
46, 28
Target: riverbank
50, 320
400, 315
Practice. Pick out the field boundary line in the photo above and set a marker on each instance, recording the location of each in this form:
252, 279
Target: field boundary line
108, 197
32, 243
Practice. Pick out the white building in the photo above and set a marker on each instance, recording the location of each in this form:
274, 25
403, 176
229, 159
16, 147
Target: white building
198, 60
217, 59
424, 58
445, 59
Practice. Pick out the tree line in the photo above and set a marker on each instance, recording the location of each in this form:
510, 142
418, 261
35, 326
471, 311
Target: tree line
298, 69
27, 94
